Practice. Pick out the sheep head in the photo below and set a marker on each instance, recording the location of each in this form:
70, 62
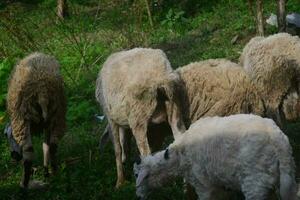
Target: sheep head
15, 149
154, 170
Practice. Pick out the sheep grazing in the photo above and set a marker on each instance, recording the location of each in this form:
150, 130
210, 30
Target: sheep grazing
36, 102
273, 65
135, 89
241, 152
217, 87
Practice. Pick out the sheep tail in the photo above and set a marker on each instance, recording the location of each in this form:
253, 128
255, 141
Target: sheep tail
43, 102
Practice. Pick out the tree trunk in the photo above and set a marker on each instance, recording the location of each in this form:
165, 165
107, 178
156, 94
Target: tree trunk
281, 15
62, 8
250, 7
260, 17
149, 13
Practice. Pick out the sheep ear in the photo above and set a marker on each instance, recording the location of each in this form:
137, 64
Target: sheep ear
142, 175
166, 155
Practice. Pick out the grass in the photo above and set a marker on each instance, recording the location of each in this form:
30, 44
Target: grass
82, 43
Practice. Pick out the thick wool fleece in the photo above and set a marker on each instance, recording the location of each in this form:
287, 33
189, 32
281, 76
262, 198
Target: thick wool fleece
128, 82
273, 64
217, 87
136, 88
241, 152
36, 97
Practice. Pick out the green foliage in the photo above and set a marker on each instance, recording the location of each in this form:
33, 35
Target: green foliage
6, 66
187, 31
174, 18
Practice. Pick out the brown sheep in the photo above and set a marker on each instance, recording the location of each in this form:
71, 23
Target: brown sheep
36, 102
273, 65
217, 87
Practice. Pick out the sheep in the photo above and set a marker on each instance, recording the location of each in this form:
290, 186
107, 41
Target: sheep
136, 88
217, 87
242, 152
36, 102
273, 65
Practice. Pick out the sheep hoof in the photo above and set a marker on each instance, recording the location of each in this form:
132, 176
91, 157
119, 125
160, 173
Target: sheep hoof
35, 185
119, 184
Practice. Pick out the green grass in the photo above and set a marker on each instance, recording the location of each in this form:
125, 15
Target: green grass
81, 44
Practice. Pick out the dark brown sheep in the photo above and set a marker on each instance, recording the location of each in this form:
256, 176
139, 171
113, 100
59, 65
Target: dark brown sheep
36, 102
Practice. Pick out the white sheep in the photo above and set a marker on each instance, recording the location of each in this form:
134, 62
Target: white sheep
241, 152
136, 88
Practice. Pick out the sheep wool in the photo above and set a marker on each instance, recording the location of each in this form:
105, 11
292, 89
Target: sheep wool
241, 152
36, 95
217, 87
36, 103
273, 65
135, 88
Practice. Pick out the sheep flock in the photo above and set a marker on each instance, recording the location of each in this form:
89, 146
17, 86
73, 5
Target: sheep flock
227, 119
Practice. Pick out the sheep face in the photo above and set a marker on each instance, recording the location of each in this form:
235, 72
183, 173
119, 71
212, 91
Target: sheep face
142, 175
291, 106
15, 149
153, 171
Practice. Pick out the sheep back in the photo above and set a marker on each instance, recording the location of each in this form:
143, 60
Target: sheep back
128, 82
230, 149
218, 87
273, 65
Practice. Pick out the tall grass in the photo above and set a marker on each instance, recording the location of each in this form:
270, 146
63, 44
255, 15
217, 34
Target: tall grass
81, 43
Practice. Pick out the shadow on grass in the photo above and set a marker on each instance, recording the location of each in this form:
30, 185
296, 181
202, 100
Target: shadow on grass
189, 48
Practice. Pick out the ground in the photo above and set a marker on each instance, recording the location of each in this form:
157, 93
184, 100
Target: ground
81, 43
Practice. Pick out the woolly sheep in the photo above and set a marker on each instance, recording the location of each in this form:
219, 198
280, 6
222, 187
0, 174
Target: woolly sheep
36, 102
217, 87
136, 88
273, 65
214, 87
240, 152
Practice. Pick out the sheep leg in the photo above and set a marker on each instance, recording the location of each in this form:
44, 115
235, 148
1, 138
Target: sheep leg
118, 154
46, 155
49, 153
204, 193
175, 119
189, 191
204, 190
27, 150
125, 143
140, 135
104, 138
53, 158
